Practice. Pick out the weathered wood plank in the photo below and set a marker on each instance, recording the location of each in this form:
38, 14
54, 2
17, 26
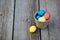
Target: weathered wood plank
44, 32
53, 6
7, 8
36, 35
0, 27
0, 19
24, 19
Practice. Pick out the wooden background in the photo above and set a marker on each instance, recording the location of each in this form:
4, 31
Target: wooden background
16, 16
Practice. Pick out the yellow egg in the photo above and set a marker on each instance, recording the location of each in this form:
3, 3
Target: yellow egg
42, 19
32, 29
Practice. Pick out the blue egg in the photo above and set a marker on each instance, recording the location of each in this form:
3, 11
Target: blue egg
37, 17
41, 12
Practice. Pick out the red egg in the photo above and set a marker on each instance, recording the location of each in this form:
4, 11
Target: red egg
47, 15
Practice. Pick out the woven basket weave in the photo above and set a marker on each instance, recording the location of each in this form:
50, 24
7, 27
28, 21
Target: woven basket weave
40, 25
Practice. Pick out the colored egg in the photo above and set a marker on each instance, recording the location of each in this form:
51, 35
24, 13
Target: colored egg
47, 15
37, 17
42, 19
32, 29
41, 12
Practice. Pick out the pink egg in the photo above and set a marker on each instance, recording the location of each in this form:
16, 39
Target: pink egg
47, 15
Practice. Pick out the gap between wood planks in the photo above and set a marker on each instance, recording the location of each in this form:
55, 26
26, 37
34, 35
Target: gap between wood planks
38, 10
14, 19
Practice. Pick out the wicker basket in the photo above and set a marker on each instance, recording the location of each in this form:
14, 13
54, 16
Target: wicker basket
40, 25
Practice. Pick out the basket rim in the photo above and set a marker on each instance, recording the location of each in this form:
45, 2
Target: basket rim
36, 19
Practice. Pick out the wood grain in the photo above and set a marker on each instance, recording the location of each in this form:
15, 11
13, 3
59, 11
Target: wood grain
0, 19
24, 12
44, 32
7, 8
53, 6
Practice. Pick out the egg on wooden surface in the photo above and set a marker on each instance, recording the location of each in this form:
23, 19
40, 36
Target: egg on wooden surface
32, 28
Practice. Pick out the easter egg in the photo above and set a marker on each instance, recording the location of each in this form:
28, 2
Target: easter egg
42, 19
41, 12
47, 15
32, 29
37, 17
